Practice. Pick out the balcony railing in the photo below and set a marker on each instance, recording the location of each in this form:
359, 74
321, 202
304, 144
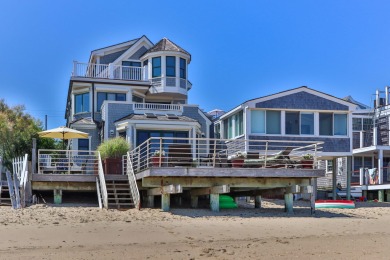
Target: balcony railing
67, 162
240, 153
158, 107
108, 71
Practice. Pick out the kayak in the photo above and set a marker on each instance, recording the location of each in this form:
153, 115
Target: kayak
338, 204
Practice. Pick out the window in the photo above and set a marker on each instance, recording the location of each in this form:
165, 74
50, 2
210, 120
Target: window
258, 121
356, 124
131, 63
101, 96
367, 124
340, 124
273, 125
326, 124
357, 164
292, 123
156, 67
83, 144
233, 126
307, 123
171, 66
182, 68
82, 103
329, 166
217, 131
137, 99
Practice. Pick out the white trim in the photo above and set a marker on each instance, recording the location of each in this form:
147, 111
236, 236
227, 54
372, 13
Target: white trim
168, 53
143, 41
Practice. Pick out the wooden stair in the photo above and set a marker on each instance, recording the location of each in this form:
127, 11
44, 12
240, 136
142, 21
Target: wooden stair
5, 200
119, 194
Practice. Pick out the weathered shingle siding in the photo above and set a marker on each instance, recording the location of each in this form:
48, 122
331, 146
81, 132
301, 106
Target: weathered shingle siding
138, 53
109, 58
330, 144
115, 112
194, 113
302, 100
326, 183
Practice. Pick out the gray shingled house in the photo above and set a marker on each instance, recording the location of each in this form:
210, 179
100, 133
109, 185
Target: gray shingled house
135, 89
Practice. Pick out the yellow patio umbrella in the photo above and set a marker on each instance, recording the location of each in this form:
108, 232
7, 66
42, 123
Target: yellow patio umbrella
63, 133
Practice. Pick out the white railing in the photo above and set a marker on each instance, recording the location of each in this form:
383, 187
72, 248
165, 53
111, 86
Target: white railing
67, 162
159, 107
204, 152
133, 183
102, 181
107, 71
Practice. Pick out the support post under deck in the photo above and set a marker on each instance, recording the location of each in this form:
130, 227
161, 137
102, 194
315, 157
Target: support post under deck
165, 201
57, 196
214, 202
258, 202
288, 203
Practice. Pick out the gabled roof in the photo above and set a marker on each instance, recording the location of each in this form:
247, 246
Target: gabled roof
166, 45
360, 105
122, 44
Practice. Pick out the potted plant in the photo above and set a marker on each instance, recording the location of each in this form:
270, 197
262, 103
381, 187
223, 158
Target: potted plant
238, 159
307, 162
111, 152
157, 158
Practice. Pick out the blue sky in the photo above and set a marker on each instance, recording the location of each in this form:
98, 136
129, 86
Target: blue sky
240, 49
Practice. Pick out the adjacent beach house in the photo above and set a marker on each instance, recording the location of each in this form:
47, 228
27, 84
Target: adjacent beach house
300, 114
135, 89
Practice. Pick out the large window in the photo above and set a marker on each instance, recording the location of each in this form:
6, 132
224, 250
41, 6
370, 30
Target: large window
171, 66
101, 96
340, 124
182, 68
307, 123
82, 103
234, 126
258, 121
156, 67
292, 123
333, 124
273, 125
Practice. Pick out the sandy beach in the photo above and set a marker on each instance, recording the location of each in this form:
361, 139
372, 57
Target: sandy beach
48, 232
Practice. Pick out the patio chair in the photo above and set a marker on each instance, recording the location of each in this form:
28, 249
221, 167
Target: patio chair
278, 160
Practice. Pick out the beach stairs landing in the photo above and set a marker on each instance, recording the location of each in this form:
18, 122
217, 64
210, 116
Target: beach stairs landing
5, 199
119, 194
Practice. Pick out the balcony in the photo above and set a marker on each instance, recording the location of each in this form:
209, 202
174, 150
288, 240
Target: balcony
141, 108
109, 71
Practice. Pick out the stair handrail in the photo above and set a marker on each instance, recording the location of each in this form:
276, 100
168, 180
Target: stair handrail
102, 181
133, 183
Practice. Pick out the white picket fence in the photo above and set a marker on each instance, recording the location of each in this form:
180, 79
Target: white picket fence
17, 182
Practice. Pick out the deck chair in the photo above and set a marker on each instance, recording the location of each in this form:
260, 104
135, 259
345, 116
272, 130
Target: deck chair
45, 163
179, 155
278, 160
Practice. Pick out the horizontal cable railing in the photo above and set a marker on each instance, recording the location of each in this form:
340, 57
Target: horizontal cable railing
67, 162
203, 152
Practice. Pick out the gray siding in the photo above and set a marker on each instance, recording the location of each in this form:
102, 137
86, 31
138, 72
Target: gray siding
138, 53
302, 100
115, 112
330, 144
109, 58
194, 113
326, 183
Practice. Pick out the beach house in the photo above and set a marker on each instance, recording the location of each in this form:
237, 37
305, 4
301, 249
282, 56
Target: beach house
135, 89
299, 114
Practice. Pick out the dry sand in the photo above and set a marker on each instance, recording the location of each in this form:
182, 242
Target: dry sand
48, 232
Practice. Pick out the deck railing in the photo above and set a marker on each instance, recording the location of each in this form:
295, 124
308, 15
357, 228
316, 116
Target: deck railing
108, 71
67, 162
102, 182
158, 107
203, 152
133, 183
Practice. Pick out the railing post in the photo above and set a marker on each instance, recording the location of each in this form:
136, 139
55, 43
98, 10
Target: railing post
266, 154
110, 71
160, 152
74, 72
215, 152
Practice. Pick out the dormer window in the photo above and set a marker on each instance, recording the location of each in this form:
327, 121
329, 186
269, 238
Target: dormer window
156, 67
171, 66
182, 68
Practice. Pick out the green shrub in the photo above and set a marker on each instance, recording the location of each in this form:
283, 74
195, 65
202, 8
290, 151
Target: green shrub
113, 148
